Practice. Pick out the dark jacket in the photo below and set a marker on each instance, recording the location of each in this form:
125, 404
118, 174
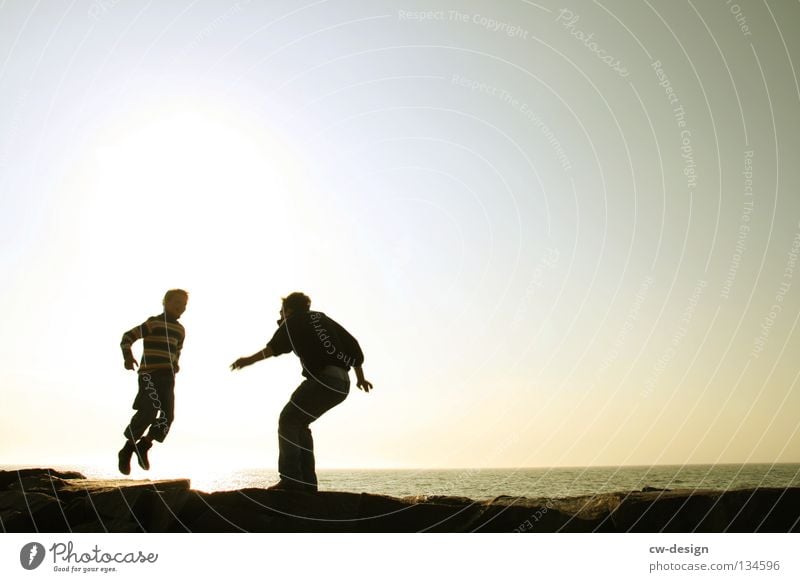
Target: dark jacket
318, 341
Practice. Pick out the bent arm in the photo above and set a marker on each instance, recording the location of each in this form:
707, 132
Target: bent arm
125, 344
250, 360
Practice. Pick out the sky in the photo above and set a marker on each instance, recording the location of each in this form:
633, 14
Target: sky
564, 235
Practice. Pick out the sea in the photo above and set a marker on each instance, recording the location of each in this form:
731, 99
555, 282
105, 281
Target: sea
557, 482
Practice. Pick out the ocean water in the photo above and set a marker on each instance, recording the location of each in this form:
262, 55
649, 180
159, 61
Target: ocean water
489, 483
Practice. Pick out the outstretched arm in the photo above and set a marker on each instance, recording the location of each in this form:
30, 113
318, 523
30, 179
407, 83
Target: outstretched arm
362, 382
249, 360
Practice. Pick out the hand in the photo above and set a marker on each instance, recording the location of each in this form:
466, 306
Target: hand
131, 363
364, 384
240, 363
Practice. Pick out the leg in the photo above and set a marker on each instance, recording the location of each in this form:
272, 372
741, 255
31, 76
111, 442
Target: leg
135, 442
145, 413
311, 400
307, 461
163, 403
291, 424
164, 407
139, 422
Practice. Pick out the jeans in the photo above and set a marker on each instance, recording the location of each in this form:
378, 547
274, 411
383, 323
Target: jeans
315, 396
155, 406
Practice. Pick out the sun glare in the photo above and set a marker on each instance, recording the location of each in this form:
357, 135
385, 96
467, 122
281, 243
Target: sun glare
202, 180
194, 154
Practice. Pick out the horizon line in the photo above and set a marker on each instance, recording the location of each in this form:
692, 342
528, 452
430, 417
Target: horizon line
63, 466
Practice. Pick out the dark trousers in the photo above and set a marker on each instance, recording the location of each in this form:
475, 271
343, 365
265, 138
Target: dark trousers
314, 397
155, 406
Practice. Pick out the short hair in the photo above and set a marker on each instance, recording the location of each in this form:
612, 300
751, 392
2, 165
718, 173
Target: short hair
172, 293
297, 301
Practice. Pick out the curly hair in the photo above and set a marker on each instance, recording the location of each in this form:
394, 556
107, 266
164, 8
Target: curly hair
297, 301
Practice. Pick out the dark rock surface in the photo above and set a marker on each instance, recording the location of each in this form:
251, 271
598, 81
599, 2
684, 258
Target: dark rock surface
45, 500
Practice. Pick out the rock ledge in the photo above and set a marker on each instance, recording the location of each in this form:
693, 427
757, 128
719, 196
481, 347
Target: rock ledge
48, 501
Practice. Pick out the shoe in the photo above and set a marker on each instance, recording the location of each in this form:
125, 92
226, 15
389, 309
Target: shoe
141, 453
124, 457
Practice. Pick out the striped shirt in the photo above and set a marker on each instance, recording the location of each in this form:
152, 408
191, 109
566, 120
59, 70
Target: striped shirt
163, 341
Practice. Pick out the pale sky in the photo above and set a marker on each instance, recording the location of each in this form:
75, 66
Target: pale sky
564, 234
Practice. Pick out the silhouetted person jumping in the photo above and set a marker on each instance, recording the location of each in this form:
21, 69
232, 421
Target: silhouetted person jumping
155, 400
326, 351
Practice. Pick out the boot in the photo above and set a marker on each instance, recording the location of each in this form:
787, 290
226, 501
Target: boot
142, 447
124, 457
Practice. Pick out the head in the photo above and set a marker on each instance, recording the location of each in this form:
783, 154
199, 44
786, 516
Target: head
175, 302
295, 303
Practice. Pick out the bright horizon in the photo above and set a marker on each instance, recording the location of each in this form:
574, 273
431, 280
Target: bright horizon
548, 260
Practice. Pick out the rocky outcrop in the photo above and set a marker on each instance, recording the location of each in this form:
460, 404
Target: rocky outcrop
45, 500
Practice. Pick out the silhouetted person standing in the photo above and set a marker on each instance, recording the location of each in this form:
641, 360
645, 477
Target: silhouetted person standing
326, 351
155, 400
